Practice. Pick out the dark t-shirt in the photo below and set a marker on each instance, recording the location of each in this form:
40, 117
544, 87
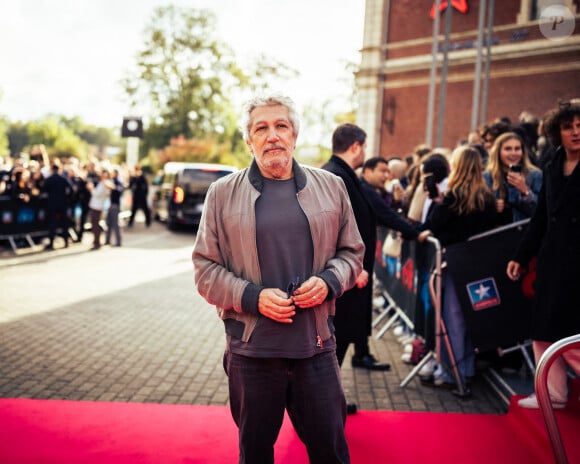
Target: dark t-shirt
285, 252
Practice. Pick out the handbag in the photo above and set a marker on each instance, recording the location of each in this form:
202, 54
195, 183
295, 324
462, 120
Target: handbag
392, 245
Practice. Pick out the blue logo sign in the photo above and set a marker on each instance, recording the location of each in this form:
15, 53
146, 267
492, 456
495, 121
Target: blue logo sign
483, 294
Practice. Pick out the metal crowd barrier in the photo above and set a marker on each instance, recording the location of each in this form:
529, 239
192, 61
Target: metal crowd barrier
541, 386
441, 332
27, 220
435, 290
24, 221
495, 322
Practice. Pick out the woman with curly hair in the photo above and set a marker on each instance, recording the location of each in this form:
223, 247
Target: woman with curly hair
514, 180
552, 236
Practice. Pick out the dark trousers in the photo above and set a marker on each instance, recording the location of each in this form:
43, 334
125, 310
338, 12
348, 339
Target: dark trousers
361, 349
113, 224
140, 204
83, 220
261, 389
96, 227
57, 219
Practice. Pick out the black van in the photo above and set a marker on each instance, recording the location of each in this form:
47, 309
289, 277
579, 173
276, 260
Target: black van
180, 191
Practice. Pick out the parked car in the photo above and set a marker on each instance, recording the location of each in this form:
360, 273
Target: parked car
180, 191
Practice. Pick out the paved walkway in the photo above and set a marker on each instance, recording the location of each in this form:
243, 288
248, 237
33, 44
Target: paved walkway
126, 324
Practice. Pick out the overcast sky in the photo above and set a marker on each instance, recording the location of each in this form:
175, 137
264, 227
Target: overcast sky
67, 56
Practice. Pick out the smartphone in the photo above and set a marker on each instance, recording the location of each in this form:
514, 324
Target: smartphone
516, 168
430, 186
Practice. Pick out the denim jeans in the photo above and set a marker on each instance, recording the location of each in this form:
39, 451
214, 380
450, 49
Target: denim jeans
457, 332
113, 224
261, 389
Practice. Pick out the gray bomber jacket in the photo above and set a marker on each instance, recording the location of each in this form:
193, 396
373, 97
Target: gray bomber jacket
225, 258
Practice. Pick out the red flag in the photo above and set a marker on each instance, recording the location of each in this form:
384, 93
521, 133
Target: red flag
459, 5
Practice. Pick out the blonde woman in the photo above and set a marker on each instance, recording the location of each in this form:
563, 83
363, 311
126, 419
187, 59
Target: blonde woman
467, 208
514, 180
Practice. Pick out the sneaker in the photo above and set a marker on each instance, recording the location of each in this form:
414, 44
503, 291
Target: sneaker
406, 338
436, 382
428, 369
378, 302
531, 402
398, 330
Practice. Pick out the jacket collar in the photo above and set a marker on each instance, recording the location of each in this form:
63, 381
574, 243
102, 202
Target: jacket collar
344, 165
257, 180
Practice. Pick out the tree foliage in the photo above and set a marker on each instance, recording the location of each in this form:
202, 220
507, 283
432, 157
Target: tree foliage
17, 137
189, 83
4, 144
63, 137
185, 74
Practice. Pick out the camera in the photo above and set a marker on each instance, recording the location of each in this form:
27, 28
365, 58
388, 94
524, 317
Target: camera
430, 186
516, 168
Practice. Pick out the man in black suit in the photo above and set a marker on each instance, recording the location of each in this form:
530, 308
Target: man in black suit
353, 317
59, 191
372, 184
139, 188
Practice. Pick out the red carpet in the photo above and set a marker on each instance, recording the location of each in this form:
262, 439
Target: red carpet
50, 431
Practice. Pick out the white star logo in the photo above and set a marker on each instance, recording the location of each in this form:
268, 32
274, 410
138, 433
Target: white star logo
482, 291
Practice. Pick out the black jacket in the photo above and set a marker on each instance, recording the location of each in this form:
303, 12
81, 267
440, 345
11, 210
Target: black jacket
386, 216
554, 236
354, 308
59, 191
449, 227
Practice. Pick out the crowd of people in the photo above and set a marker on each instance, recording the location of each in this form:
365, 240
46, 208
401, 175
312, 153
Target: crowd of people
495, 177
288, 261
75, 194
286, 252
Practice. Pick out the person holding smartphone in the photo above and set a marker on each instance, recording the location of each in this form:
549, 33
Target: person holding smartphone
512, 177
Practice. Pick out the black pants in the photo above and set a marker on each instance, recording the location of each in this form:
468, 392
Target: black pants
84, 215
142, 205
57, 219
361, 349
261, 389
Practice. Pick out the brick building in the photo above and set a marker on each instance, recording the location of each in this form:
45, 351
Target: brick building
532, 63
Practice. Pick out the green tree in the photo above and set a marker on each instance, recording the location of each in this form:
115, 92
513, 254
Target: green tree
4, 144
60, 140
185, 74
18, 137
99, 136
188, 83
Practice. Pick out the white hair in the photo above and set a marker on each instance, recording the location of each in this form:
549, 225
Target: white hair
270, 100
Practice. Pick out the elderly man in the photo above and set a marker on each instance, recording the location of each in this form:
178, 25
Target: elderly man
277, 244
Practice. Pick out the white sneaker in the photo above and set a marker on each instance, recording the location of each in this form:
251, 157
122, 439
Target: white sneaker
428, 368
531, 402
378, 302
407, 338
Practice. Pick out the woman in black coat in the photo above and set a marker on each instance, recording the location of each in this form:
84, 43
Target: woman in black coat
553, 236
466, 209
